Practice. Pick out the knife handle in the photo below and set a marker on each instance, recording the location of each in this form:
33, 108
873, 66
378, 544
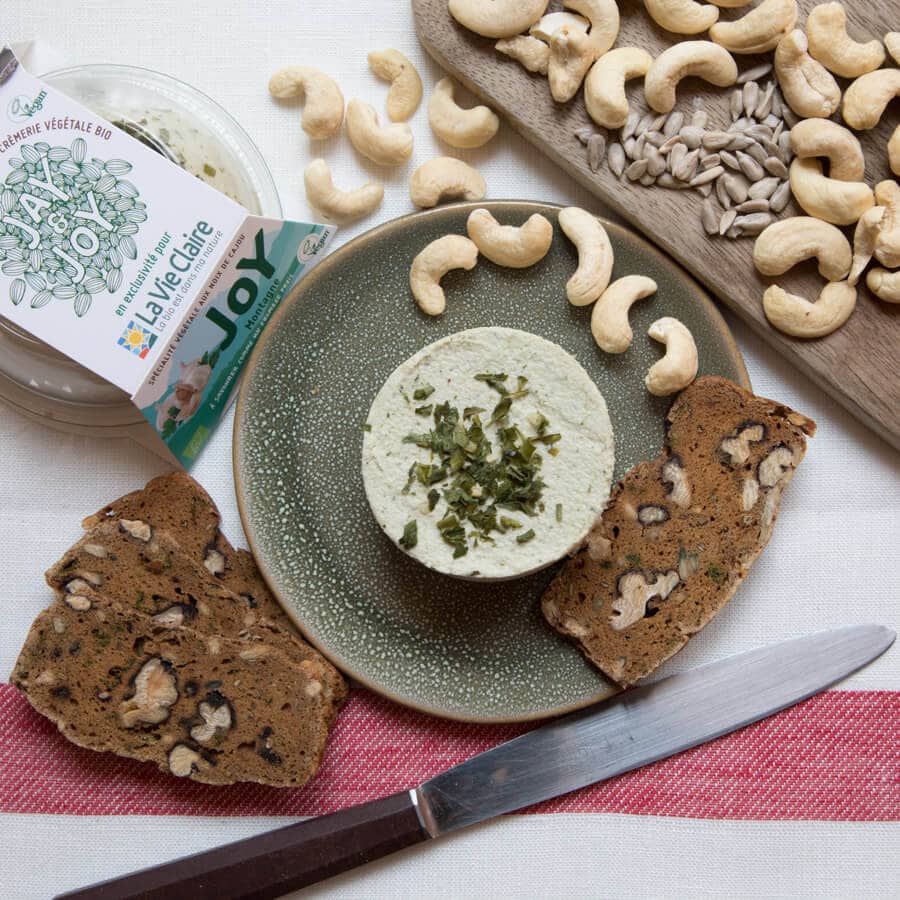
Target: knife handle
276, 862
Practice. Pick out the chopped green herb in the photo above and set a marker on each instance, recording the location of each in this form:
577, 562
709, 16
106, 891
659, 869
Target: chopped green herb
559, 512
209, 170
633, 559
549, 438
410, 535
494, 380
433, 497
717, 573
366, 426
470, 411
424, 410
423, 392
526, 537
507, 522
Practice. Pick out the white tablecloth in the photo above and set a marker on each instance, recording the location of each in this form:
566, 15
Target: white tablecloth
832, 559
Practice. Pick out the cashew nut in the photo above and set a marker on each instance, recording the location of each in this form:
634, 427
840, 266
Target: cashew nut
798, 317
433, 262
405, 92
759, 30
499, 18
864, 239
529, 51
445, 178
838, 202
323, 110
894, 151
682, 16
337, 205
678, 368
604, 87
595, 255
867, 97
884, 285
785, 243
892, 42
604, 18
730, 4
571, 54
822, 137
463, 128
510, 245
387, 145
829, 43
704, 59
887, 247
548, 25
808, 87
609, 317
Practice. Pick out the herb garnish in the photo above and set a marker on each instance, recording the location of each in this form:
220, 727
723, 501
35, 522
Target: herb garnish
410, 535
476, 477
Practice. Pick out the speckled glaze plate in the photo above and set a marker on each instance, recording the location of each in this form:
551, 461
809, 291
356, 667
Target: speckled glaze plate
477, 652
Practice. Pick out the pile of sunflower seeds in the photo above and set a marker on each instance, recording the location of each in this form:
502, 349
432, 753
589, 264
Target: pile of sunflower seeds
740, 168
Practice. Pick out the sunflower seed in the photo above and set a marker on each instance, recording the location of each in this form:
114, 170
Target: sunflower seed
764, 104
789, 116
667, 180
615, 156
763, 189
754, 223
722, 194
673, 123
656, 138
645, 123
777, 104
639, 146
726, 221
658, 122
736, 104
784, 145
759, 131
636, 170
739, 125
584, 134
688, 165
757, 152
629, 147
596, 147
750, 167
770, 147
676, 156
630, 124
753, 206
734, 232
779, 200
705, 189
648, 179
697, 101
708, 218
716, 140
710, 160
707, 176
699, 119
776, 167
670, 143
730, 160
736, 185
755, 73
740, 142
656, 162
750, 97
692, 135
776, 133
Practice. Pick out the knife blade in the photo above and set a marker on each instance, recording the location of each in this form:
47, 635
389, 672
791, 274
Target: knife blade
632, 729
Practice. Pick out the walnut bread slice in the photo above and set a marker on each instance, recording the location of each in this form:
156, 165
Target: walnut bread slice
143, 568
679, 533
114, 680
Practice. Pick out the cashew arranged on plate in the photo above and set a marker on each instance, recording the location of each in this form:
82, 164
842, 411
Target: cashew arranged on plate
867, 97
499, 18
604, 87
759, 30
609, 317
453, 251
387, 145
571, 54
730, 4
829, 43
337, 205
838, 202
532, 53
892, 42
548, 25
839, 145
808, 87
682, 16
678, 368
884, 285
865, 237
894, 151
445, 178
785, 243
604, 18
405, 92
797, 317
704, 59
887, 247
323, 110
595, 255
462, 128
509, 245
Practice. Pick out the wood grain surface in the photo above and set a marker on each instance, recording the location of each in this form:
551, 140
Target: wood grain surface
858, 364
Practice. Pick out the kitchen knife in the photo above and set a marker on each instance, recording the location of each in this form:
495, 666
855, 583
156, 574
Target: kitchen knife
632, 729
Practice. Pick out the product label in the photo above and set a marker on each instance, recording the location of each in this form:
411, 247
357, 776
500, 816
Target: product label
132, 266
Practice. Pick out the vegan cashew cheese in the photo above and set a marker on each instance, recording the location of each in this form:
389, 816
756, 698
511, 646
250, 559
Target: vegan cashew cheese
488, 454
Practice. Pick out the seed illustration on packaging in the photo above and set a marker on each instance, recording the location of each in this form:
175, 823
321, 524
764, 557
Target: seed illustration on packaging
67, 225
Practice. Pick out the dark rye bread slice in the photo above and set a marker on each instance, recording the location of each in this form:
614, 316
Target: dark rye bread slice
176, 503
681, 532
143, 568
112, 679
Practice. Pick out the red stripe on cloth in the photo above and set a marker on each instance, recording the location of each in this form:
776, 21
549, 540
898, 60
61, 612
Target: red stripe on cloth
834, 757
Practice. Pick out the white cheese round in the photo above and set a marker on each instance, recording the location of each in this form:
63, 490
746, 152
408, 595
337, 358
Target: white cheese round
577, 477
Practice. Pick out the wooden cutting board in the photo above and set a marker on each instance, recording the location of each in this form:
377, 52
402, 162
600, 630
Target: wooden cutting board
859, 365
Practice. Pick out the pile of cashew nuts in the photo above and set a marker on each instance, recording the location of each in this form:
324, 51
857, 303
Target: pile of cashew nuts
573, 47
520, 246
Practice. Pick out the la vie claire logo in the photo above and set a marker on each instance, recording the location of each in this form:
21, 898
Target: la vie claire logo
23, 108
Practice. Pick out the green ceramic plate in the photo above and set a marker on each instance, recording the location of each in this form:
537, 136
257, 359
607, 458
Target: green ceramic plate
478, 652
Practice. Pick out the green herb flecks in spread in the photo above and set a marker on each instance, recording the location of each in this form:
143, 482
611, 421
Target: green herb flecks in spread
475, 477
